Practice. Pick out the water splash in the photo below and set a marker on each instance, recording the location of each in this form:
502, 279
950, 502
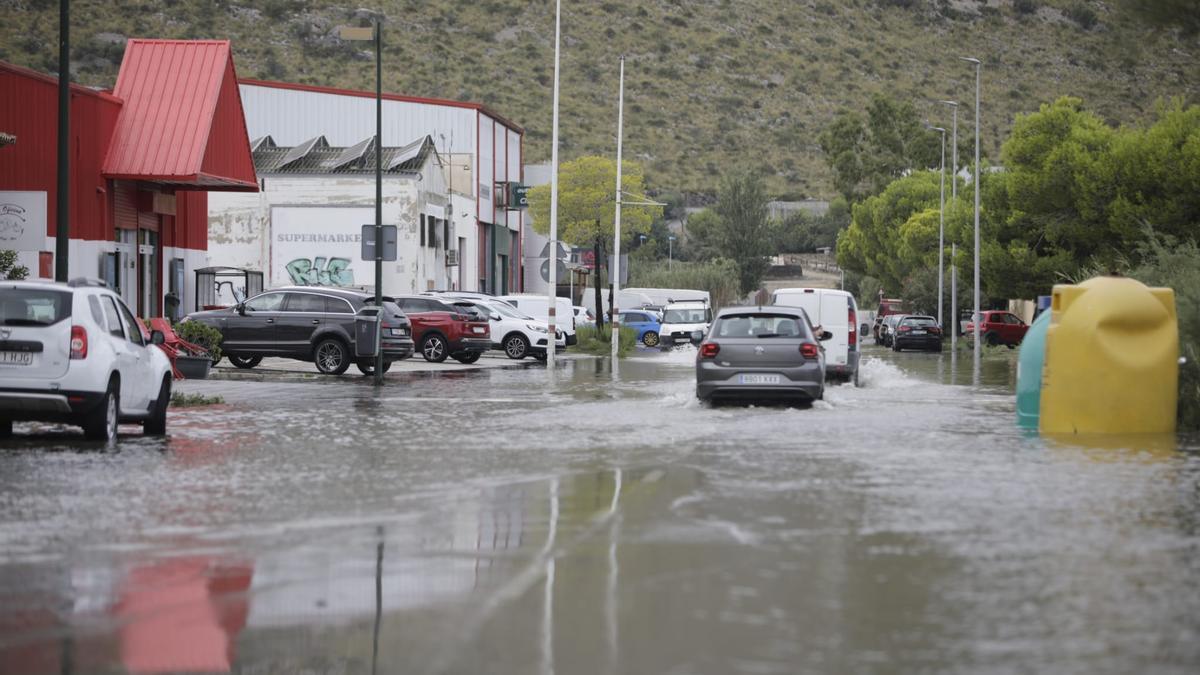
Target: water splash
879, 374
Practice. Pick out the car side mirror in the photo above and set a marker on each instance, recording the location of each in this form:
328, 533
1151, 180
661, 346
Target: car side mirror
697, 335
825, 335
157, 337
863, 328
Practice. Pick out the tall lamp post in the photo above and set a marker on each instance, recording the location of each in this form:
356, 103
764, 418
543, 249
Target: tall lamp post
62, 231
941, 228
552, 301
975, 179
953, 149
954, 245
375, 33
616, 265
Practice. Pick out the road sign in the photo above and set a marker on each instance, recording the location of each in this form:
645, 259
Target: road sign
389, 242
545, 270
518, 196
563, 253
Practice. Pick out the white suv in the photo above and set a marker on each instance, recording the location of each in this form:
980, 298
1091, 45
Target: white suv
516, 333
74, 353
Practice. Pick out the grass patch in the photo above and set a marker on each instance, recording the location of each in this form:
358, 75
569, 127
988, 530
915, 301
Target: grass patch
182, 400
597, 341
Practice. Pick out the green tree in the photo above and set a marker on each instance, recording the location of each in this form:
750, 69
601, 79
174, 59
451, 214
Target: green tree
866, 153
587, 207
737, 228
9, 269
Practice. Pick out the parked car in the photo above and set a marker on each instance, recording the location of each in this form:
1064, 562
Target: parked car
887, 329
538, 306
917, 332
645, 323
73, 353
306, 323
761, 353
441, 330
887, 307
999, 328
584, 316
834, 311
682, 320
516, 334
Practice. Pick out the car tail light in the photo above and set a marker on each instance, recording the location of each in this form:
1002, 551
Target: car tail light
852, 339
78, 342
903, 329
809, 350
709, 350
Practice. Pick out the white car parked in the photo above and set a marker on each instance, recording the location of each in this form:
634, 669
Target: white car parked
682, 320
538, 306
74, 353
516, 333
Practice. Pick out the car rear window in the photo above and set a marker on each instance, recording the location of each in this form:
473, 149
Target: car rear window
919, 322
33, 306
685, 316
760, 325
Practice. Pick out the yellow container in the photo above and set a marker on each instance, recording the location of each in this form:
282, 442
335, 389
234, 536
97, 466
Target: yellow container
1112, 359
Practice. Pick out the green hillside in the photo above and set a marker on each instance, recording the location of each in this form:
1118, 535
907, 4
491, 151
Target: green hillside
711, 84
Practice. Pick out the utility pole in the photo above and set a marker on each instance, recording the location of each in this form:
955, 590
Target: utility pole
552, 302
379, 201
941, 229
976, 179
62, 231
616, 266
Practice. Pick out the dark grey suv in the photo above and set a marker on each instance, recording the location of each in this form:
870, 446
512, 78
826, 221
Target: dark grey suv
307, 323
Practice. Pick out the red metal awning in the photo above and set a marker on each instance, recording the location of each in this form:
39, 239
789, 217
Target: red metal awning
182, 123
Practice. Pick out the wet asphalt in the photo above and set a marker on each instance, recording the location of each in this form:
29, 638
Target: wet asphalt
510, 521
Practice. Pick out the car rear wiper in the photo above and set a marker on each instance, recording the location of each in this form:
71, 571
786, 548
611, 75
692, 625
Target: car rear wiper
771, 335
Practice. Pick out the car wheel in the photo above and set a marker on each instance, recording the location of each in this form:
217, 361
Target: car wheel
650, 338
331, 356
367, 366
433, 348
156, 423
541, 357
991, 339
895, 346
516, 346
467, 357
245, 361
101, 423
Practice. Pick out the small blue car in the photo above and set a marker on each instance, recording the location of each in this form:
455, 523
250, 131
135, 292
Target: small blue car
645, 323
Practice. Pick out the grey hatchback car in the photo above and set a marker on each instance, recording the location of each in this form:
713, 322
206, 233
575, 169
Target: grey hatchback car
767, 354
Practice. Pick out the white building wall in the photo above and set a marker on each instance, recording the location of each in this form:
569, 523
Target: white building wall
487, 168
241, 231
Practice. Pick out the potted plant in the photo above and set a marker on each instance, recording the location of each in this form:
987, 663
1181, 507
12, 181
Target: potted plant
199, 349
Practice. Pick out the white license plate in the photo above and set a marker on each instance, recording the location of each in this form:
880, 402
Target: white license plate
760, 379
477, 329
16, 358
918, 332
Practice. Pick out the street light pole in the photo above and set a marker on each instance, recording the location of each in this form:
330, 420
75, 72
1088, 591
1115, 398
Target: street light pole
954, 150
976, 179
552, 301
941, 229
616, 266
62, 233
379, 201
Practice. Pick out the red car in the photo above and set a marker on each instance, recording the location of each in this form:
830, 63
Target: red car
440, 330
999, 328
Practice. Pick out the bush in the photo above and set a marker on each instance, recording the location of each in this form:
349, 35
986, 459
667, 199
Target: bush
1173, 265
201, 334
596, 341
9, 269
1083, 15
1025, 6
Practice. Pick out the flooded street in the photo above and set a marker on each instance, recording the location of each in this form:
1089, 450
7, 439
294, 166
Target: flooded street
488, 522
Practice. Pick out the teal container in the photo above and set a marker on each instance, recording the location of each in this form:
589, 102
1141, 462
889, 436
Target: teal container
1029, 372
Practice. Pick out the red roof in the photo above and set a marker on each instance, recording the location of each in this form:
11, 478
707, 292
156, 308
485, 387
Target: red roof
182, 122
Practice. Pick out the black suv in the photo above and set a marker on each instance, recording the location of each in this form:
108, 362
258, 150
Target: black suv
308, 323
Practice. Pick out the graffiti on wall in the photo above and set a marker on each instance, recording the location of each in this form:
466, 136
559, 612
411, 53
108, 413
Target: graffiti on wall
320, 271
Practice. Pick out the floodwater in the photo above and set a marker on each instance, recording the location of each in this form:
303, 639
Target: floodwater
504, 522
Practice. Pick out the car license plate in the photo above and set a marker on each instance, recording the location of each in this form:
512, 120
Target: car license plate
16, 358
760, 379
918, 332
478, 329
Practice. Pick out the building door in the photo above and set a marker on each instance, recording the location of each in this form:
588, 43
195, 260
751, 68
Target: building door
124, 267
148, 277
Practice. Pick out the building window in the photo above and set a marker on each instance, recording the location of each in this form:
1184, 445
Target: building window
422, 229
432, 232
446, 234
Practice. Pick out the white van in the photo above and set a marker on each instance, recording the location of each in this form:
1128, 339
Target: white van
836, 312
681, 320
538, 306
661, 297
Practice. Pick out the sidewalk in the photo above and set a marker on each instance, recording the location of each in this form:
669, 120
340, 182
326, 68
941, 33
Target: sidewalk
279, 369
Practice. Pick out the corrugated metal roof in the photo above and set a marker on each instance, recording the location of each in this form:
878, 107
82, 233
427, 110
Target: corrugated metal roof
171, 128
313, 157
